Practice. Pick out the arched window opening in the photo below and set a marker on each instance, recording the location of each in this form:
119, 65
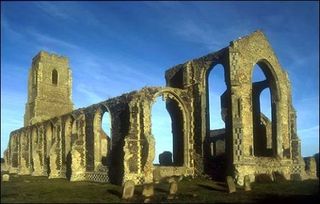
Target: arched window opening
167, 128
103, 136
215, 144
54, 77
263, 110
68, 146
216, 89
106, 143
106, 123
266, 117
217, 105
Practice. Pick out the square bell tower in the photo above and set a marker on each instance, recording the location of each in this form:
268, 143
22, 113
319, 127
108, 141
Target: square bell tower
49, 88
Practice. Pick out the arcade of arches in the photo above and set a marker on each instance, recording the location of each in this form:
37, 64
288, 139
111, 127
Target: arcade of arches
72, 144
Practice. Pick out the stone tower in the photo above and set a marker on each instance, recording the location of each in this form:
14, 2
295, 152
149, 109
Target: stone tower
49, 88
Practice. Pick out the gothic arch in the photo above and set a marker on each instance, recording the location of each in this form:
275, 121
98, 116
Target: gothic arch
271, 82
102, 141
271, 76
171, 96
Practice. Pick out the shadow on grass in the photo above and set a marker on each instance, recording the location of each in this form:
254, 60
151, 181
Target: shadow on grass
213, 188
160, 190
115, 192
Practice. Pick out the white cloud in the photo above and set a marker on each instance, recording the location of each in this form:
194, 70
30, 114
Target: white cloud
55, 9
46, 40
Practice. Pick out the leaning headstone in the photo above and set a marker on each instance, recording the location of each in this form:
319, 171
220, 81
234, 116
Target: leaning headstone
231, 185
5, 177
148, 190
247, 183
128, 190
173, 187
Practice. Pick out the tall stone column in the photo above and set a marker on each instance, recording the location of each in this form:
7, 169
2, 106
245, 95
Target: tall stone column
24, 167
39, 154
78, 152
56, 167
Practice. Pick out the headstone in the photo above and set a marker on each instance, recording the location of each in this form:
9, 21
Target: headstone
148, 190
5, 177
231, 185
147, 200
247, 183
128, 190
165, 158
173, 187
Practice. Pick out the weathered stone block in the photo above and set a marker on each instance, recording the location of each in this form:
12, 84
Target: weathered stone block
5, 177
128, 190
247, 183
148, 190
231, 185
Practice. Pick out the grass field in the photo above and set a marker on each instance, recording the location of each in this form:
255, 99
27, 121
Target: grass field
27, 189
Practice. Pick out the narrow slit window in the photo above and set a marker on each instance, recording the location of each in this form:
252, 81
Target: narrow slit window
54, 77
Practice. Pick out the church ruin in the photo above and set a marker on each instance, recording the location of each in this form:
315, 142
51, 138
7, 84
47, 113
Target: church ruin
60, 142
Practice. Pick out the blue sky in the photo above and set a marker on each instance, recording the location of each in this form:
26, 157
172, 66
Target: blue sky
119, 47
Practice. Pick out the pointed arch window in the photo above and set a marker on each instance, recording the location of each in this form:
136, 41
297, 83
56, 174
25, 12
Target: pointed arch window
264, 111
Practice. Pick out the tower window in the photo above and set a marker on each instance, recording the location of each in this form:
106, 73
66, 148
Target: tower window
54, 77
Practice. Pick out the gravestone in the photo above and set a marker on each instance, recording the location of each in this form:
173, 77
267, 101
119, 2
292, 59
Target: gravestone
5, 177
247, 183
173, 187
148, 190
231, 185
165, 158
128, 190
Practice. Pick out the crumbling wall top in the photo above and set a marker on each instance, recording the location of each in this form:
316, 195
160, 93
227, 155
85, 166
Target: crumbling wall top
46, 56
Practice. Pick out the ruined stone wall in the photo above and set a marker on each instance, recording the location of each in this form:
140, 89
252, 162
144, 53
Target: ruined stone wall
71, 144
67, 146
192, 76
238, 61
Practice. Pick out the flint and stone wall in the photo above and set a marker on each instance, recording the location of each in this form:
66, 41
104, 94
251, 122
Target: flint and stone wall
74, 146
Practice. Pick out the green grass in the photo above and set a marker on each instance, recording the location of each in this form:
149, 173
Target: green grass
27, 189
